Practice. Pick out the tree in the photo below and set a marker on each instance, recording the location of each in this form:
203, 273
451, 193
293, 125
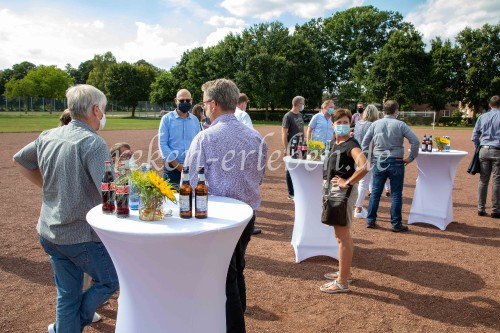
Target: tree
224, 59
164, 88
80, 74
348, 38
128, 84
481, 50
44, 81
400, 68
100, 64
447, 74
17, 72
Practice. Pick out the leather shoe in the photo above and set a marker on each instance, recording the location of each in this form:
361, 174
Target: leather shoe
256, 231
400, 228
371, 225
481, 213
495, 215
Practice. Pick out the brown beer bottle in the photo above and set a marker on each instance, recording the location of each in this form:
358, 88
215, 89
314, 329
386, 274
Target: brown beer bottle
201, 195
108, 189
429, 144
122, 192
185, 196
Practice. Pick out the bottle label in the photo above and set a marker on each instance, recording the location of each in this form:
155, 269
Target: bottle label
201, 203
112, 186
104, 187
185, 177
424, 147
122, 189
184, 203
201, 177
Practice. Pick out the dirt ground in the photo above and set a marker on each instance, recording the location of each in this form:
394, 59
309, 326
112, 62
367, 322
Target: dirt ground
426, 280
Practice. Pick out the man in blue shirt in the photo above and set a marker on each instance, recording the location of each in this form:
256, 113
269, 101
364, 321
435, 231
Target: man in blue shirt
177, 130
387, 137
320, 126
487, 135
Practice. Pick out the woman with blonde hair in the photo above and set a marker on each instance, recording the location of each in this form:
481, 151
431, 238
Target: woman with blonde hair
370, 115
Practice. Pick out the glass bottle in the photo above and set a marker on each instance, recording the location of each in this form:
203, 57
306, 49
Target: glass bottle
201, 195
185, 195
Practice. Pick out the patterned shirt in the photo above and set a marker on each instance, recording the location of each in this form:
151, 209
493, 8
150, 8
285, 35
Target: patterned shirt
388, 135
322, 128
234, 157
243, 116
71, 161
487, 129
175, 135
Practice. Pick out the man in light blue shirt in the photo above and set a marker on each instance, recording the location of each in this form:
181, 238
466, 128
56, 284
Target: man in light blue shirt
387, 137
487, 135
320, 126
177, 130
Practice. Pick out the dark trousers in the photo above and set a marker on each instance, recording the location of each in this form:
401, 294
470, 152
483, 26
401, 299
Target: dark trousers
173, 176
289, 183
236, 295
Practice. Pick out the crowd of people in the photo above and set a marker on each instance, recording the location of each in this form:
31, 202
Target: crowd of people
366, 152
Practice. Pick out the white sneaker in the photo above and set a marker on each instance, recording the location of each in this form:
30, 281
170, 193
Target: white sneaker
51, 328
96, 318
362, 214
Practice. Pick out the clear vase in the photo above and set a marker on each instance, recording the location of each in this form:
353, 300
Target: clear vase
151, 209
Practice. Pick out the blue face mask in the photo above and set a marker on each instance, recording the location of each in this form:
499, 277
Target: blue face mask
341, 130
330, 111
184, 107
302, 108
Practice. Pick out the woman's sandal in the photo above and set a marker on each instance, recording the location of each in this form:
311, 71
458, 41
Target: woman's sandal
334, 287
335, 275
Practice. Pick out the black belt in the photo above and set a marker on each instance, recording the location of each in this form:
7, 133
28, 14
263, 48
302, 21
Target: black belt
491, 147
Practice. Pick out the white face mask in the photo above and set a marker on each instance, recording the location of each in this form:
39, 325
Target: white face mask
102, 122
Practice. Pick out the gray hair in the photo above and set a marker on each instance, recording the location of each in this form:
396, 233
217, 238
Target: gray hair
81, 99
391, 107
297, 100
224, 92
371, 113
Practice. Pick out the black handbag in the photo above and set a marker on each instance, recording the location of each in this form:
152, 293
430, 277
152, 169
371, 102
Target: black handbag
475, 165
335, 206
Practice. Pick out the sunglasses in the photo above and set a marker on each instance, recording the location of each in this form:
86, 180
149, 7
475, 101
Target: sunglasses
184, 100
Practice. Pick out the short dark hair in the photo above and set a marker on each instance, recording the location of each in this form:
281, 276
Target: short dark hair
65, 118
495, 101
243, 98
115, 150
391, 107
341, 113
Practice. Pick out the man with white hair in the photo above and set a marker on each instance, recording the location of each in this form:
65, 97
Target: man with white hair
58, 161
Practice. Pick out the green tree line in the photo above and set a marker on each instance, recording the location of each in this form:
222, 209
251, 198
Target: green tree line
361, 53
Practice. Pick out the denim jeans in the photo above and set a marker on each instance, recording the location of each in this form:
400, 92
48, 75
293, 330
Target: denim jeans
75, 309
174, 176
490, 167
236, 295
289, 183
394, 170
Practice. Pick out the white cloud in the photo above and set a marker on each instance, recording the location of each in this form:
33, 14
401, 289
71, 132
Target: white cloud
447, 18
264, 9
219, 35
221, 21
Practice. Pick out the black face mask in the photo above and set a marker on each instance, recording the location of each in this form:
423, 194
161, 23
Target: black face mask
184, 107
360, 110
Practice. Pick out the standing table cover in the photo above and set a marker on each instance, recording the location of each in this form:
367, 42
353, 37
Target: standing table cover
432, 200
310, 237
172, 273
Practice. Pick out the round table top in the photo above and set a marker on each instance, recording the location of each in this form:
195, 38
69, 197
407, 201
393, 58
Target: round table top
223, 213
443, 153
289, 159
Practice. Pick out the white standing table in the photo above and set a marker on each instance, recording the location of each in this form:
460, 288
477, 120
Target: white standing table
172, 273
432, 200
310, 237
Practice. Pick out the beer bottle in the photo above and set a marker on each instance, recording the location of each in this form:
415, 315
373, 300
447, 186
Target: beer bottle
429, 144
299, 149
201, 195
424, 143
185, 196
108, 189
122, 192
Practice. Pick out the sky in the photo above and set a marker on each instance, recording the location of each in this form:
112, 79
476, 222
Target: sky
58, 32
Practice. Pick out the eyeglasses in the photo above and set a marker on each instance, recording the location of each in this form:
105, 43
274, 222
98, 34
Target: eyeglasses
205, 102
184, 100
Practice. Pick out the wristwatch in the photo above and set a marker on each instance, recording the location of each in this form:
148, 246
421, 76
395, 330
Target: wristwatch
348, 183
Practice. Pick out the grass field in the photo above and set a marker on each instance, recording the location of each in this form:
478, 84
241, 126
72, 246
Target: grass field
15, 122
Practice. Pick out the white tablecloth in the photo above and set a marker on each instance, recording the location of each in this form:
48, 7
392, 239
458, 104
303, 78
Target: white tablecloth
172, 273
310, 237
432, 200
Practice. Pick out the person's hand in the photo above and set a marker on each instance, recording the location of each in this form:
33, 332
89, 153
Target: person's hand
340, 182
407, 161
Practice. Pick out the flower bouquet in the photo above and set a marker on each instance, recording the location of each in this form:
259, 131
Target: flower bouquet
316, 149
441, 142
153, 189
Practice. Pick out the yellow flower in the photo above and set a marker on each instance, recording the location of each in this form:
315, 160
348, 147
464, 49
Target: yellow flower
315, 145
151, 185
